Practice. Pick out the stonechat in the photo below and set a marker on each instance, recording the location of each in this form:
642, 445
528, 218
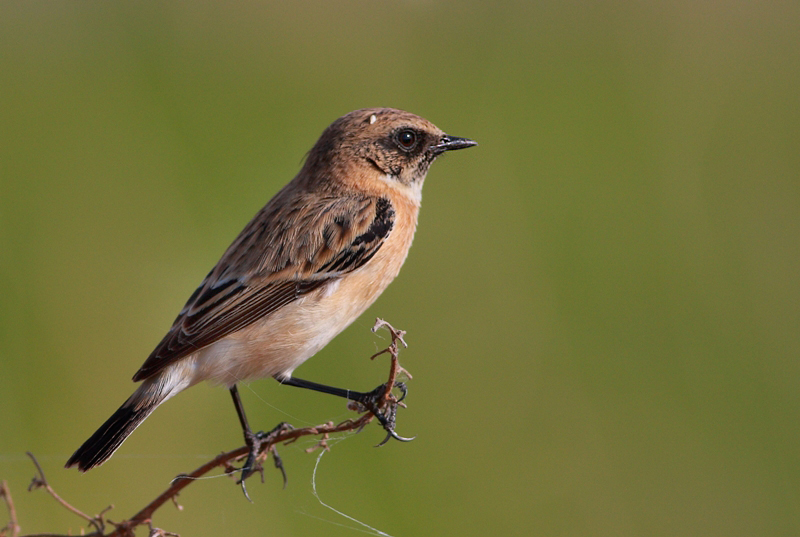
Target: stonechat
304, 268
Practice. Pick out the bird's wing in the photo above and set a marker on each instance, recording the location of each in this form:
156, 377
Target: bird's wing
284, 253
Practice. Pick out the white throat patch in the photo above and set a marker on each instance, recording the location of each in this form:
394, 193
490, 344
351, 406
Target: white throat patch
413, 192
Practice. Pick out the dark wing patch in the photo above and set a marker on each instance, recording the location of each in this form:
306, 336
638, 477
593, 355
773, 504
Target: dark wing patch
365, 245
224, 304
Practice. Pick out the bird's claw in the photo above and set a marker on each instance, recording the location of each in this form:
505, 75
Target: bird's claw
374, 400
251, 464
388, 422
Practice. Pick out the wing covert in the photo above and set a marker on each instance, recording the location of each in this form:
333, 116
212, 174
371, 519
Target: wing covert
284, 253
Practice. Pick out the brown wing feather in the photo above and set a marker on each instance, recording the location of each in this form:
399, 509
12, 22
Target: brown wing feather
284, 253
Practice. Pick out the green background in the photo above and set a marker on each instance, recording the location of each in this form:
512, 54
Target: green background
602, 301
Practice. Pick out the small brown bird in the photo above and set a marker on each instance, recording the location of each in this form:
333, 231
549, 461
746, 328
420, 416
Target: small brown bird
304, 268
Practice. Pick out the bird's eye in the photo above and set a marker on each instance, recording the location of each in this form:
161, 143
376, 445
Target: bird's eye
407, 139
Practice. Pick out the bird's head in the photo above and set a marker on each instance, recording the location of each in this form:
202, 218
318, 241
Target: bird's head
389, 144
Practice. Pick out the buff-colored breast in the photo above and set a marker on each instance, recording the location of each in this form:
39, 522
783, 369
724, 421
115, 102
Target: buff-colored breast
279, 343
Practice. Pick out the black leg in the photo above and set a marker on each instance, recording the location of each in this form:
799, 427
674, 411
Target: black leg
254, 441
368, 399
237, 402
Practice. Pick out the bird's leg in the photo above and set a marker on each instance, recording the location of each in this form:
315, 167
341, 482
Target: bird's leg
254, 442
369, 400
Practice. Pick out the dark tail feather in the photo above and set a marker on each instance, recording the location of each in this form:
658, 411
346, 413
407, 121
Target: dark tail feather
105, 441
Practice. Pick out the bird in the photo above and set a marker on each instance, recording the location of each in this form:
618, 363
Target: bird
308, 264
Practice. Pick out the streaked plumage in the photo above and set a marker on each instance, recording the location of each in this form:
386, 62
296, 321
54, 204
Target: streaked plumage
304, 268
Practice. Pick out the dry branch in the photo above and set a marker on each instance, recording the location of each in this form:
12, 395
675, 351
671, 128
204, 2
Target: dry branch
11, 529
283, 434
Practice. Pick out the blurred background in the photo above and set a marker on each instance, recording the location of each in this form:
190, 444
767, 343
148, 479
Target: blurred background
602, 301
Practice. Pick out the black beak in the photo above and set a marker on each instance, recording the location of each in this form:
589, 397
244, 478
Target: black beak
450, 143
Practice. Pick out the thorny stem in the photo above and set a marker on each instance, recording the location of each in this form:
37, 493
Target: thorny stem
224, 460
393, 351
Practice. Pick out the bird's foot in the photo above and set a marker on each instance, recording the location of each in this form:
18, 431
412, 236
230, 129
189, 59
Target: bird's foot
384, 408
252, 465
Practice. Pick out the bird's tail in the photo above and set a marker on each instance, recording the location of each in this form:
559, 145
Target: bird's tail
110, 436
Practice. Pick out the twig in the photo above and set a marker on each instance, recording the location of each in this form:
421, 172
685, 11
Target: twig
11, 529
40, 481
393, 351
284, 436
